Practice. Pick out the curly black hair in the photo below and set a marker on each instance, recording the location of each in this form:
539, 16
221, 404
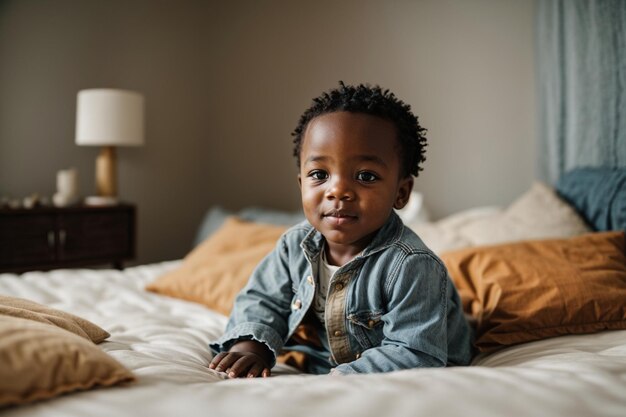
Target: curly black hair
375, 101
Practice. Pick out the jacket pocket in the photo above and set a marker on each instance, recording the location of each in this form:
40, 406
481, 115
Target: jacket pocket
367, 328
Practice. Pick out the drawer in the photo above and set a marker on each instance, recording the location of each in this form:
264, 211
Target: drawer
27, 239
85, 236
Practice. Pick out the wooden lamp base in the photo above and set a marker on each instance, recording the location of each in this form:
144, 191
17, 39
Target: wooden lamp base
106, 178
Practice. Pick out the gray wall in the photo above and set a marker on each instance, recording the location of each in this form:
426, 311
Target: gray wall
225, 82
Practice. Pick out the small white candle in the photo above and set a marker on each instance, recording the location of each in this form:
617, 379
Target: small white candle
67, 182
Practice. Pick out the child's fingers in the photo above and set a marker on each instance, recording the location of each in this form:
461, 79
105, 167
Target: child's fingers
255, 370
242, 366
238, 364
225, 361
217, 359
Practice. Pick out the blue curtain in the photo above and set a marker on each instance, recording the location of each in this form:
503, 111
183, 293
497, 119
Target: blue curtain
581, 70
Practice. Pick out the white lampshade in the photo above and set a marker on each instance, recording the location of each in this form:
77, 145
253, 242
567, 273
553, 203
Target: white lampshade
109, 117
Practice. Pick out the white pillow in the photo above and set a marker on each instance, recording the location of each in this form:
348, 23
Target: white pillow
537, 214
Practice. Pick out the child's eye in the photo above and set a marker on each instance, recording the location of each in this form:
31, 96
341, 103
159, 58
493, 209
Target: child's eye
366, 176
318, 175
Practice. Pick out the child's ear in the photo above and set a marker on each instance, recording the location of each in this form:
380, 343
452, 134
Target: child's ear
404, 192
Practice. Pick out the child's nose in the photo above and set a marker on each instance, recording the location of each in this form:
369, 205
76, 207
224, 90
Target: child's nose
340, 189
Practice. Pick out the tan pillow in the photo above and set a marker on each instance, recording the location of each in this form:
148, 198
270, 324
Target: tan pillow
19, 307
537, 289
215, 271
39, 361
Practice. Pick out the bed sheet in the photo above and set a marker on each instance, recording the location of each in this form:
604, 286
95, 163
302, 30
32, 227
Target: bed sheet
164, 342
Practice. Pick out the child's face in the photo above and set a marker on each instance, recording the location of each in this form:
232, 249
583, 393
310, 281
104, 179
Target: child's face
350, 178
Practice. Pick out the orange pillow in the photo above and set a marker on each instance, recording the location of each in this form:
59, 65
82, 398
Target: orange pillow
215, 271
532, 290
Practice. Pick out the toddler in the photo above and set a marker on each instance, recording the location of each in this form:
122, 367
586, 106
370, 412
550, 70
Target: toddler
373, 296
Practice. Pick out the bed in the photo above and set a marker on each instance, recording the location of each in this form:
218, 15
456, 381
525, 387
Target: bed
162, 339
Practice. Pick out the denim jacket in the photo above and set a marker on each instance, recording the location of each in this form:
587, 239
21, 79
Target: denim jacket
392, 307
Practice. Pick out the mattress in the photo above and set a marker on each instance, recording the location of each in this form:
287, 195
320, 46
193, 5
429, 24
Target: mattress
163, 341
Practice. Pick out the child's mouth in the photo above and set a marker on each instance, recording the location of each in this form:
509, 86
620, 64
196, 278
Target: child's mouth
340, 218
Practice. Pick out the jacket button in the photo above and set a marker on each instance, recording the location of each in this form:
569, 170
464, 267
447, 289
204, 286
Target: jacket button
371, 323
297, 304
337, 333
358, 355
309, 279
338, 286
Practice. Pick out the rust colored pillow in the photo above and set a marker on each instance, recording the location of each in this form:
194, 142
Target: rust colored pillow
39, 361
533, 290
215, 271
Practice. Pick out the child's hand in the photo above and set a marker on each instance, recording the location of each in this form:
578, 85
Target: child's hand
244, 359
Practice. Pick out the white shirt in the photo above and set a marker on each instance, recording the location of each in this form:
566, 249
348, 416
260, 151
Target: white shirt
325, 273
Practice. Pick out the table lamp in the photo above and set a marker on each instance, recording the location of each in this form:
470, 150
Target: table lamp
108, 118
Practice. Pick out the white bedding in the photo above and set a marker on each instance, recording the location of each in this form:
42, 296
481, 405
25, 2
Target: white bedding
163, 341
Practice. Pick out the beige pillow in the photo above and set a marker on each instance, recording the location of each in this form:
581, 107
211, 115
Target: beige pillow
215, 271
537, 214
39, 361
443, 235
532, 290
19, 307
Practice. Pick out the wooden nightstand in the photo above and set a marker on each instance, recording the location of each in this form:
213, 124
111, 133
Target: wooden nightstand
48, 238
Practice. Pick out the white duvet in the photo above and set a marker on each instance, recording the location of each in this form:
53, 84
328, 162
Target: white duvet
164, 342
